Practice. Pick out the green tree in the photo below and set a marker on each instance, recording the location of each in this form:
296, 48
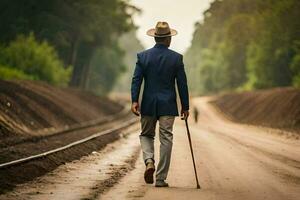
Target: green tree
131, 45
76, 28
271, 53
245, 44
107, 65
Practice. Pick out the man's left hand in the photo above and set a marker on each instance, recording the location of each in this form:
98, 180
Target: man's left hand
135, 108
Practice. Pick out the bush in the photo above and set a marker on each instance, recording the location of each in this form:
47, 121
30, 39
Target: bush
8, 73
295, 65
35, 59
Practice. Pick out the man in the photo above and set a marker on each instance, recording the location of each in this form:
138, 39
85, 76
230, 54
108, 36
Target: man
159, 67
196, 113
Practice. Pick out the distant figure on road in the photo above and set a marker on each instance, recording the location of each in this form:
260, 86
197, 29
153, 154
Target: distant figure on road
159, 67
196, 113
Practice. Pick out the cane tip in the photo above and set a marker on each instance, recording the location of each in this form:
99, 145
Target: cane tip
198, 187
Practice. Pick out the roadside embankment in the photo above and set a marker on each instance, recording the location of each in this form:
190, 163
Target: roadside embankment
276, 108
29, 109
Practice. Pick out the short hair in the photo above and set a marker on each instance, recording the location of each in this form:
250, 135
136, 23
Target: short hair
160, 39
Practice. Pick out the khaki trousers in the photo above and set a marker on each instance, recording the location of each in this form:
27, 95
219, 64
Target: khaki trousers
147, 135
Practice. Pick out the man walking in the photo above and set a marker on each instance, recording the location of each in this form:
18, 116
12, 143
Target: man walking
159, 67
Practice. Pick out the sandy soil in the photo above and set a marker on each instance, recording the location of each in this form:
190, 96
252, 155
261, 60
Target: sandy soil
233, 161
25, 172
86, 178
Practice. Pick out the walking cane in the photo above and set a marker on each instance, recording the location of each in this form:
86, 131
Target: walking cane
190, 141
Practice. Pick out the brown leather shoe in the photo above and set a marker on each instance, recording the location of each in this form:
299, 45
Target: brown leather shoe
148, 175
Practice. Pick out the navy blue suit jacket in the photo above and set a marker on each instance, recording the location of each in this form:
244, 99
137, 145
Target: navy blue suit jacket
159, 67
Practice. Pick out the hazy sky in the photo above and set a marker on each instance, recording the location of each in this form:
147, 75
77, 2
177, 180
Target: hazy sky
180, 14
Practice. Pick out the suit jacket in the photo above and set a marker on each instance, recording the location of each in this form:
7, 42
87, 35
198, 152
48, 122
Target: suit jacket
159, 67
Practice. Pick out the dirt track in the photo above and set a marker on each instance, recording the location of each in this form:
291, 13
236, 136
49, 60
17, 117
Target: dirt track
234, 162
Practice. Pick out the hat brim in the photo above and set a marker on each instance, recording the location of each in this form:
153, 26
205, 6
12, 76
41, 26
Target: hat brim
151, 32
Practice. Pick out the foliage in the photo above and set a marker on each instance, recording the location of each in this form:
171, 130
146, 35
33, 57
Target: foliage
106, 67
132, 45
245, 44
76, 28
295, 65
28, 58
9, 73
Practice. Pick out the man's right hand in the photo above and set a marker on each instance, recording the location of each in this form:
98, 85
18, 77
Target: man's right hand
184, 114
135, 108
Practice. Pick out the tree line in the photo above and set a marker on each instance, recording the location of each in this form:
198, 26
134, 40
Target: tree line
64, 42
245, 45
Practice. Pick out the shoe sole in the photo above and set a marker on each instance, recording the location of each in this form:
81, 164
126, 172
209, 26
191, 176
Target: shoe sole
161, 185
148, 176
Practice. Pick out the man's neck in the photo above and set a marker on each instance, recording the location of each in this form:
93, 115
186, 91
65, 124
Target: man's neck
162, 43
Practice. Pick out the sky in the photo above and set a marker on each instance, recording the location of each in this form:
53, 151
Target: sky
180, 14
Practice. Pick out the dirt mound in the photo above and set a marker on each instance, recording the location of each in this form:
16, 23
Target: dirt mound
276, 108
33, 108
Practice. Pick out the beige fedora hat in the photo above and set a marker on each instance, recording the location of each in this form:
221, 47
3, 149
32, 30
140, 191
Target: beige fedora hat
162, 29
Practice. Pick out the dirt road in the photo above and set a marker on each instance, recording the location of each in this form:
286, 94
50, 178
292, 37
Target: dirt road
234, 162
